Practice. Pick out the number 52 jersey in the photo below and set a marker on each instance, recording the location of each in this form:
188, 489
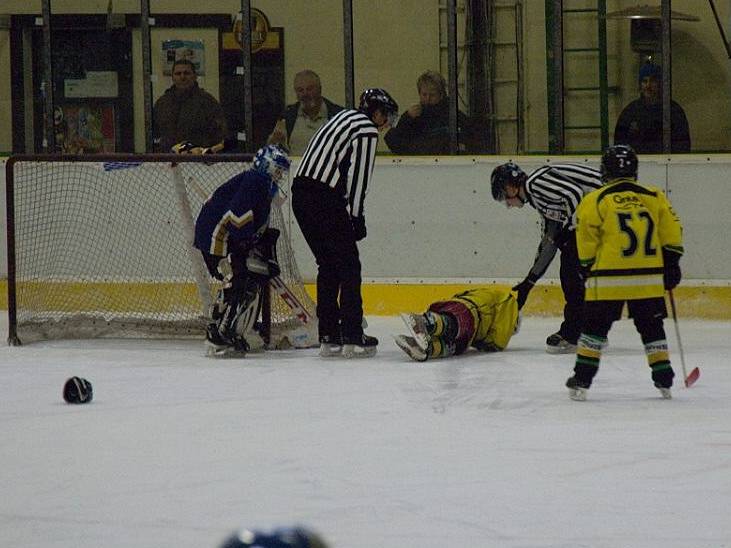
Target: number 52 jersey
622, 229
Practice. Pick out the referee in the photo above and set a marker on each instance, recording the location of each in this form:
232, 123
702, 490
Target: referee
555, 192
328, 194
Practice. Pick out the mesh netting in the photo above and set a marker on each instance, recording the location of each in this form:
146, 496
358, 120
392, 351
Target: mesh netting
103, 249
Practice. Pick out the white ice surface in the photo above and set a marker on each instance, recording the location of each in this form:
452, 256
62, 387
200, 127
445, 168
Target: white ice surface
484, 450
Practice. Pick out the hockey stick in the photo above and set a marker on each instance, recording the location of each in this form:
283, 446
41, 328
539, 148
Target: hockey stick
291, 300
689, 379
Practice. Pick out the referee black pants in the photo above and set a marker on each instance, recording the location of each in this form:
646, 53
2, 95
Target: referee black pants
323, 217
573, 290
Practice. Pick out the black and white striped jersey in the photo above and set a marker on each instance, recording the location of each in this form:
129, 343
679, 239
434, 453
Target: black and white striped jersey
556, 190
341, 154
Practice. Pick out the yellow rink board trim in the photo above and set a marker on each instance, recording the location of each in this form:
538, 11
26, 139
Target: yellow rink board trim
702, 302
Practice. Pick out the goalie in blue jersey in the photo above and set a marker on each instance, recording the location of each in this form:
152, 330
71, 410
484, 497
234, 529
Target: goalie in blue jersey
232, 233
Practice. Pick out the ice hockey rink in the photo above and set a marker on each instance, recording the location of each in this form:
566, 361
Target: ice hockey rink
484, 450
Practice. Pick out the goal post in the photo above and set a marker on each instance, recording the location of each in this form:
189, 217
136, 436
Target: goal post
101, 246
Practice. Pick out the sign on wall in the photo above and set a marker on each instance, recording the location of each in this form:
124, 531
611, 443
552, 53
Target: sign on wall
175, 50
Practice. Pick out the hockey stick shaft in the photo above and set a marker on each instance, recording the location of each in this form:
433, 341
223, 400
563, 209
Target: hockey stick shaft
291, 300
696, 372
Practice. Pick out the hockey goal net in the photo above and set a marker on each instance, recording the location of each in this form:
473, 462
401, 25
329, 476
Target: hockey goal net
101, 246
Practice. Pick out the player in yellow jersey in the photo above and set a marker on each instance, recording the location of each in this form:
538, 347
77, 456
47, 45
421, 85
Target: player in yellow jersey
484, 318
630, 243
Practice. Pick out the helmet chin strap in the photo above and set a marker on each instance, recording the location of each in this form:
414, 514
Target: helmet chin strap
522, 200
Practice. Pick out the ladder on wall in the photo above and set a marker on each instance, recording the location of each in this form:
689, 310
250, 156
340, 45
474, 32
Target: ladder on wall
578, 117
494, 79
507, 83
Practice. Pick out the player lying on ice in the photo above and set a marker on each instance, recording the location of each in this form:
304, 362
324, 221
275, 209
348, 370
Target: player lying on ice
233, 235
484, 318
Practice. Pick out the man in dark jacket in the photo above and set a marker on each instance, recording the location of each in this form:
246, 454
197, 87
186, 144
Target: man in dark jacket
301, 120
185, 112
424, 128
640, 123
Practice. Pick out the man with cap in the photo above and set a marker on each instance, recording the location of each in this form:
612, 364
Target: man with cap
640, 123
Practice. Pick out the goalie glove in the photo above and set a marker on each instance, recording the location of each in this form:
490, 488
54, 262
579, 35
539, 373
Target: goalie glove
262, 268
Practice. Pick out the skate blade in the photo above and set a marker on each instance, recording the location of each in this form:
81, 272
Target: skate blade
421, 338
331, 350
355, 351
665, 393
577, 394
413, 352
567, 349
223, 352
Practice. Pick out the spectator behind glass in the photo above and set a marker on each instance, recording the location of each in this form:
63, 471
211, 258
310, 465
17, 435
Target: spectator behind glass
640, 123
185, 112
424, 128
301, 120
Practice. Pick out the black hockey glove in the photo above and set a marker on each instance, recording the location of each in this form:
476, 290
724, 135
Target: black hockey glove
523, 288
671, 272
359, 228
484, 346
584, 271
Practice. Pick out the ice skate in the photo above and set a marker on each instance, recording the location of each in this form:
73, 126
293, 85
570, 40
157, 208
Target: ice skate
556, 344
362, 346
416, 323
218, 346
665, 391
577, 389
330, 347
412, 349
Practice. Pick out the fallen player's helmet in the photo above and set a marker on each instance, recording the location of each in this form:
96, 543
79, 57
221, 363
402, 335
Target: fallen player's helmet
502, 175
373, 99
619, 161
291, 537
77, 390
272, 161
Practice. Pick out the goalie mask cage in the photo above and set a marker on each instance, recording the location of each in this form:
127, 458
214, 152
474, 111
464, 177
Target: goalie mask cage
101, 246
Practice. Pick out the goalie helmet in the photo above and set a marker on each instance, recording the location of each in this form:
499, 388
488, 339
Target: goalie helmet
619, 161
502, 176
373, 99
273, 162
77, 390
291, 537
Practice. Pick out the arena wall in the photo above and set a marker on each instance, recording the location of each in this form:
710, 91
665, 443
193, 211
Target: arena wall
434, 228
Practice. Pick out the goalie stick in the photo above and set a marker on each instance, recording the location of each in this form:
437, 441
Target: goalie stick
696, 373
291, 300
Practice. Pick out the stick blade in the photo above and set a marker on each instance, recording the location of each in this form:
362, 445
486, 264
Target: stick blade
692, 377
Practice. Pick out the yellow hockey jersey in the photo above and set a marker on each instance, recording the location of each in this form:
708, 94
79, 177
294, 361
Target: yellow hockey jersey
621, 231
495, 311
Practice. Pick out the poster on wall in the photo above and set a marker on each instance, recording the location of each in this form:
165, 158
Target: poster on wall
192, 50
85, 128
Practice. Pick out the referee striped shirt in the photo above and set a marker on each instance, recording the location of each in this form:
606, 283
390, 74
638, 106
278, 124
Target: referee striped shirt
341, 155
556, 190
